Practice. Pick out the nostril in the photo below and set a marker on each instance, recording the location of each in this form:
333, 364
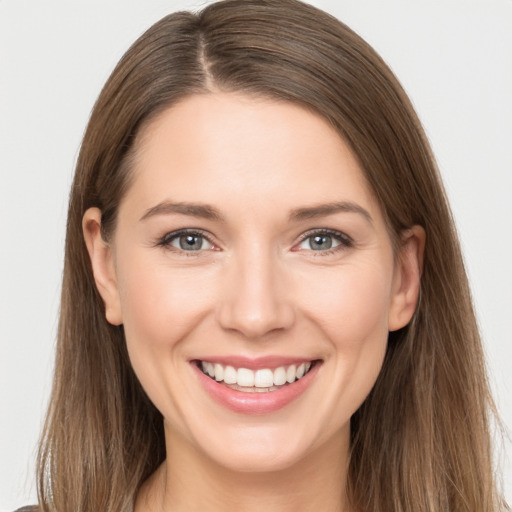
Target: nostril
254, 324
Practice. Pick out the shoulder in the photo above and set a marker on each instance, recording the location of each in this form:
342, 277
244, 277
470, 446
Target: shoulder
32, 508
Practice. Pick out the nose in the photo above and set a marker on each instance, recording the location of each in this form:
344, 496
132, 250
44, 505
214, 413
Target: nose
255, 300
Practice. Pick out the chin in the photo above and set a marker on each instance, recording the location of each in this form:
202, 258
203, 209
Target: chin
262, 446
263, 456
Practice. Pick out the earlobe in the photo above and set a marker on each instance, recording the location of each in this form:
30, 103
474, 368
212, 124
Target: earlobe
102, 264
407, 278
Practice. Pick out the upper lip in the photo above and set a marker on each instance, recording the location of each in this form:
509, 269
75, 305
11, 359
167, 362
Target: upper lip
257, 363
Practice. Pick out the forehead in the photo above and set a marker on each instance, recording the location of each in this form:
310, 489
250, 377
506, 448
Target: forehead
234, 150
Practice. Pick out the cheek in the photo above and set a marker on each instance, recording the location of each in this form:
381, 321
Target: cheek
351, 303
160, 307
160, 304
353, 316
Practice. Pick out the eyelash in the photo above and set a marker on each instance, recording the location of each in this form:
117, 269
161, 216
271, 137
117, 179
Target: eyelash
345, 242
165, 241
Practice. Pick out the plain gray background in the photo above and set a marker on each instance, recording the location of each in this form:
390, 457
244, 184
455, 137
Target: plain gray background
454, 58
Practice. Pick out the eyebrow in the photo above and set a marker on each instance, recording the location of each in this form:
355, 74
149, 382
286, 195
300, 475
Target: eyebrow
206, 211
323, 210
192, 209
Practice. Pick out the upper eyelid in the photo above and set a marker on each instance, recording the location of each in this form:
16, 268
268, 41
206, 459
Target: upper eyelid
333, 232
191, 231
171, 235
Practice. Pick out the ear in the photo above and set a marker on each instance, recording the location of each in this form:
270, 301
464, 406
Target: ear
407, 277
102, 261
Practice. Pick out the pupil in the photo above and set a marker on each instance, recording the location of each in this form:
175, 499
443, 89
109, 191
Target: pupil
190, 242
321, 242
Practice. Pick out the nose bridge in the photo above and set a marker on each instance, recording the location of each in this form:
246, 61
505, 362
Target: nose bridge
255, 302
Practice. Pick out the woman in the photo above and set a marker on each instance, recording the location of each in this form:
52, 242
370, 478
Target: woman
264, 301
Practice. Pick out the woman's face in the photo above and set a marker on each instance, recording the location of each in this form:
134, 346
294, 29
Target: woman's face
250, 246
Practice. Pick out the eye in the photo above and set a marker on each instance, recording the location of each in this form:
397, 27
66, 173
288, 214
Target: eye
324, 241
190, 241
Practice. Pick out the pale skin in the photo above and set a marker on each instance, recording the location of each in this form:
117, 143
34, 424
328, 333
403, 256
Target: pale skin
287, 255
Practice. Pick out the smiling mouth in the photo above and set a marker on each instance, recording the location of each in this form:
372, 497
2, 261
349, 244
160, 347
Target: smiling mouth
263, 380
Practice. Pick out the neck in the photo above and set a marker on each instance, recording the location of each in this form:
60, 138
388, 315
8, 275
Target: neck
188, 480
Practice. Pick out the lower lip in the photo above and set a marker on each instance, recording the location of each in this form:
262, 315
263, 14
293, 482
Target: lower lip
256, 403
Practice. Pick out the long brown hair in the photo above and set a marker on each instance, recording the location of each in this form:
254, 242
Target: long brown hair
421, 440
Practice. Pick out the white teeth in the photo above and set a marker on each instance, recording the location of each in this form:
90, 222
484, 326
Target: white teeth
263, 379
230, 375
208, 368
219, 372
290, 374
245, 377
279, 376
